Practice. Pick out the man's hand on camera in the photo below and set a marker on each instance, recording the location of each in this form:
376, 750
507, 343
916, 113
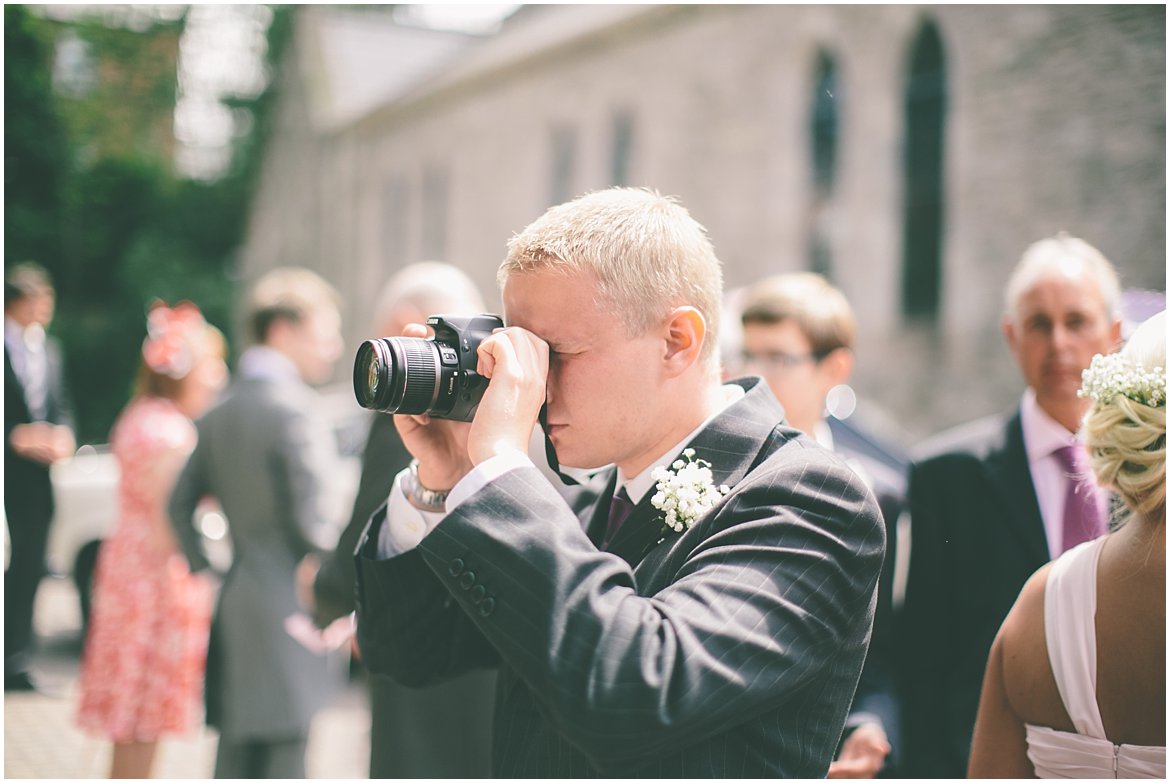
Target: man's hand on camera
516, 361
439, 445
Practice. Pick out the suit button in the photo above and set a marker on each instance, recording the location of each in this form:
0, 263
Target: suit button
487, 607
467, 580
456, 567
478, 593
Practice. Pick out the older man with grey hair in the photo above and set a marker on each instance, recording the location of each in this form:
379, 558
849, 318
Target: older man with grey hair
995, 500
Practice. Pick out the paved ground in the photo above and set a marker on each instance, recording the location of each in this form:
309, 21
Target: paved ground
41, 741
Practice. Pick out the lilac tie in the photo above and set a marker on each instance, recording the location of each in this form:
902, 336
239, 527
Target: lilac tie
1082, 514
620, 507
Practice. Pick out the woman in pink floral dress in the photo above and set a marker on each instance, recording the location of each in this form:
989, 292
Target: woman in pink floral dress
145, 653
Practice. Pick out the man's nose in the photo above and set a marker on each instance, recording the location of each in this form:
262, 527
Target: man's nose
1061, 338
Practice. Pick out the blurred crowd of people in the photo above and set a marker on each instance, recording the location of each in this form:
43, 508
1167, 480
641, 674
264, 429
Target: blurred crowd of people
976, 662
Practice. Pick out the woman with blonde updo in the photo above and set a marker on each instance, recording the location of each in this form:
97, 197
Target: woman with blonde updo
1076, 682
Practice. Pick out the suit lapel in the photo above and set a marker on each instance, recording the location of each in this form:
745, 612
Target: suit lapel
1011, 477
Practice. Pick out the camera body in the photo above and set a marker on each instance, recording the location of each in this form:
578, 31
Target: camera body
436, 376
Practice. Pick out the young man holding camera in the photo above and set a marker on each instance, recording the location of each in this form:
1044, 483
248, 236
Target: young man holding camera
728, 643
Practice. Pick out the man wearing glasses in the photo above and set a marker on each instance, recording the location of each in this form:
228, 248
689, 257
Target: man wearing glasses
798, 334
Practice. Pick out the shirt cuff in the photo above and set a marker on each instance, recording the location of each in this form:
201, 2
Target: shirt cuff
485, 473
405, 525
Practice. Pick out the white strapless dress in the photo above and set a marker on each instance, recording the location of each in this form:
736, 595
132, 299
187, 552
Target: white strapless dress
1070, 609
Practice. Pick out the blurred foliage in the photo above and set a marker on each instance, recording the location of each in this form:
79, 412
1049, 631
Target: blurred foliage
91, 194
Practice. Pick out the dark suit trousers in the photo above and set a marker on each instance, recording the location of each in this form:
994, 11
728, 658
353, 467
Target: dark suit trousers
28, 504
255, 759
440, 731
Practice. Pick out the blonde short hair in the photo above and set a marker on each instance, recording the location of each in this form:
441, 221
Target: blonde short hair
288, 293
1060, 252
648, 253
1127, 439
807, 299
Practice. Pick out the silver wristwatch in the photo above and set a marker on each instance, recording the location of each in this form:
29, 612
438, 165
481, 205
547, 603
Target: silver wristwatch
419, 496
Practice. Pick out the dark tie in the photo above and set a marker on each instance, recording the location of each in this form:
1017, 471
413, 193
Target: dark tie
1082, 514
620, 507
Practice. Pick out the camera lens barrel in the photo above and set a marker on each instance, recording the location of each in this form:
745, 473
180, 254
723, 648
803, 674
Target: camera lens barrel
397, 375
437, 376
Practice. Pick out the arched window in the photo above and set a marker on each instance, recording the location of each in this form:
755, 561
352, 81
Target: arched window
824, 124
434, 216
823, 133
922, 233
623, 142
564, 164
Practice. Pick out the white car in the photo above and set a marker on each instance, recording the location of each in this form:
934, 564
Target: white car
85, 492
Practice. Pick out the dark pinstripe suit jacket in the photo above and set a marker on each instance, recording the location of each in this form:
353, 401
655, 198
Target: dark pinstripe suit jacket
730, 650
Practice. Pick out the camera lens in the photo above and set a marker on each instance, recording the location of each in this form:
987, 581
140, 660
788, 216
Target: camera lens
397, 375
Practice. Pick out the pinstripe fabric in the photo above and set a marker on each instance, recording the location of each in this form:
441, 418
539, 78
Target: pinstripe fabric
730, 650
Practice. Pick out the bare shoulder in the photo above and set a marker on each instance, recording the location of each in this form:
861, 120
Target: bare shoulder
1027, 615
1022, 648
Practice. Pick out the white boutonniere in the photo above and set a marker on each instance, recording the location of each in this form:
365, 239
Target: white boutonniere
685, 491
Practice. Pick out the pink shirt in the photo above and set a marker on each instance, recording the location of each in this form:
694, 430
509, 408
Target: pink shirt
1043, 436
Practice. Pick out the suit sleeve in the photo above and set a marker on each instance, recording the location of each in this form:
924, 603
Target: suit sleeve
190, 487
61, 397
769, 594
409, 626
304, 458
383, 458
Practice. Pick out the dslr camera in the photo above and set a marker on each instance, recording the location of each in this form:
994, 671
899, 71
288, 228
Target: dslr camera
436, 376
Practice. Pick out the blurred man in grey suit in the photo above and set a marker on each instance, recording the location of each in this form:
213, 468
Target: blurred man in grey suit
728, 645
798, 334
270, 458
443, 731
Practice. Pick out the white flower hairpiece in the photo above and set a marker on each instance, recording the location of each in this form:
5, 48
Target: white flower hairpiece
686, 491
1115, 374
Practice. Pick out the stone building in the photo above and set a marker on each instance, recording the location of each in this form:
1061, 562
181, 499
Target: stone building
911, 153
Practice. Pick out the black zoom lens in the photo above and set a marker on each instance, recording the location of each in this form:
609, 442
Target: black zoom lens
397, 375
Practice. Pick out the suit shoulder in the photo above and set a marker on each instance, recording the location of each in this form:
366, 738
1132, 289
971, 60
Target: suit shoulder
974, 439
798, 462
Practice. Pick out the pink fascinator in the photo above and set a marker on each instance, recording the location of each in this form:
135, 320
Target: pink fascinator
171, 336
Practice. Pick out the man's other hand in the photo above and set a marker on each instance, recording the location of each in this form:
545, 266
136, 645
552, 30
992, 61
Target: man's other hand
863, 753
42, 442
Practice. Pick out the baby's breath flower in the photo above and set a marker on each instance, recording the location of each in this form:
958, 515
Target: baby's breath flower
685, 491
1110, 375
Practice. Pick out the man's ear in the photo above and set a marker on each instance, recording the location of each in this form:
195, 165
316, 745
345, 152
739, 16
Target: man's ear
838, 366
685, 330
1008, 327
1115, 334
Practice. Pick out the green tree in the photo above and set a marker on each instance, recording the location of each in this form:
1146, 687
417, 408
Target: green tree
35, 153
91, 193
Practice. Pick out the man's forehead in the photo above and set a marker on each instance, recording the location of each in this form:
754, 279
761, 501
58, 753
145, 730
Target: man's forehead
786, 331
1063, 284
